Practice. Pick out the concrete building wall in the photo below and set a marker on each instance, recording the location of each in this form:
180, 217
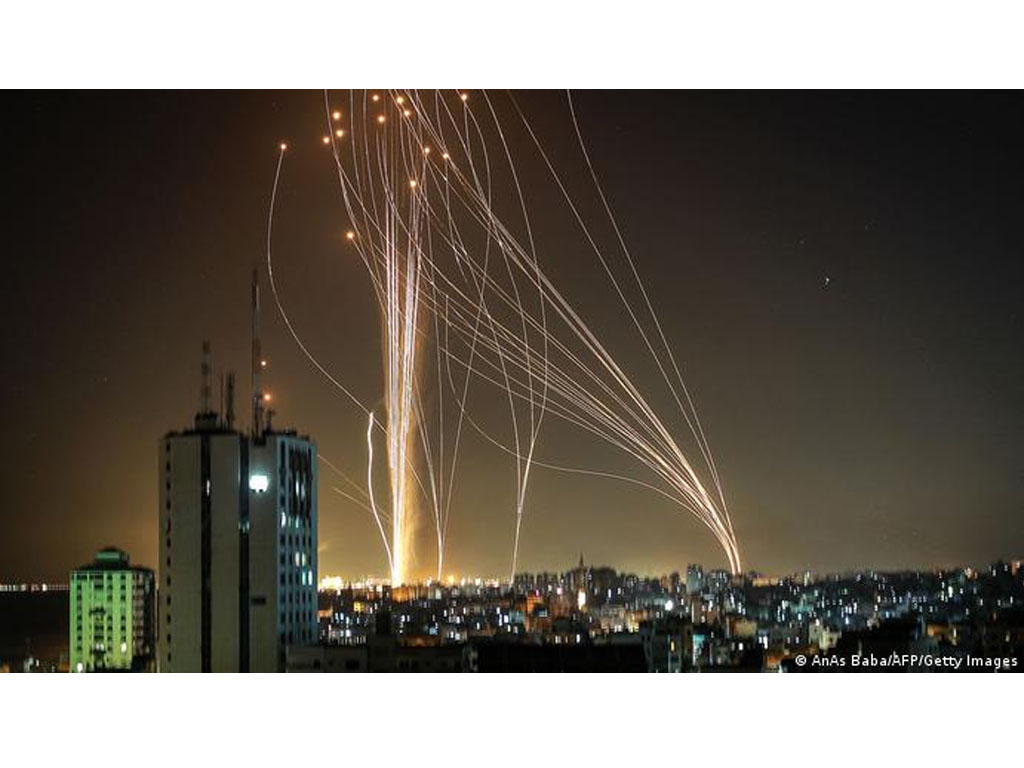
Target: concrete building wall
226, 486
180, 583
262, 549
264, 563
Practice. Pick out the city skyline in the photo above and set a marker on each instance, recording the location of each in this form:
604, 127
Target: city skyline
587, 617
850, 343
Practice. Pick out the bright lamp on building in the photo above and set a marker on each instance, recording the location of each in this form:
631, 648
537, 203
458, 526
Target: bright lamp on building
259, 483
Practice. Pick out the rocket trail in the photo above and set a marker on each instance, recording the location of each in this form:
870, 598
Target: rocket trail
419, 179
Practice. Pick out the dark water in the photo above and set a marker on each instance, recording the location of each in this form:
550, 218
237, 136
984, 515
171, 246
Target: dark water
33, 623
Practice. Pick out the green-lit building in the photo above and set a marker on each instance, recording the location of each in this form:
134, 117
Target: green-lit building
112, 615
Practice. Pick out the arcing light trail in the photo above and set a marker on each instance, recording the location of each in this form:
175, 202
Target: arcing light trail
420, 186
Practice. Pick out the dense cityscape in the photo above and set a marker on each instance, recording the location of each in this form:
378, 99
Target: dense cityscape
593, 618
596, 618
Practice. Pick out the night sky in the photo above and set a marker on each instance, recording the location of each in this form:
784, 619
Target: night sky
839, 274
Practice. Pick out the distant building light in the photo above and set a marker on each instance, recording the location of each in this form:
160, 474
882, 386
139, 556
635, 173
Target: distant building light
259, 483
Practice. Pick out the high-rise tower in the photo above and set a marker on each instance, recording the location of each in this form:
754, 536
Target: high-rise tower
238, 537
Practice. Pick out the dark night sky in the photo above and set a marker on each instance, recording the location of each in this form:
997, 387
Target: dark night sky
877, 421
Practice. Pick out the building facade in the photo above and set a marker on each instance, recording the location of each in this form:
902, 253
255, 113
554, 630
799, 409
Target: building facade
238, 548
667, 643
112, 625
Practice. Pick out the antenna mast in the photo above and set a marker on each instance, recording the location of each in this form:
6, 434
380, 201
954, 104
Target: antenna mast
204, 389
257, 358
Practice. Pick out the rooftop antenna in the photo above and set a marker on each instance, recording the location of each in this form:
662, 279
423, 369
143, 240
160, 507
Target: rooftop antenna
204, 389
257, 357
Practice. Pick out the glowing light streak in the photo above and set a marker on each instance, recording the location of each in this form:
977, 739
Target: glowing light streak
434, 247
